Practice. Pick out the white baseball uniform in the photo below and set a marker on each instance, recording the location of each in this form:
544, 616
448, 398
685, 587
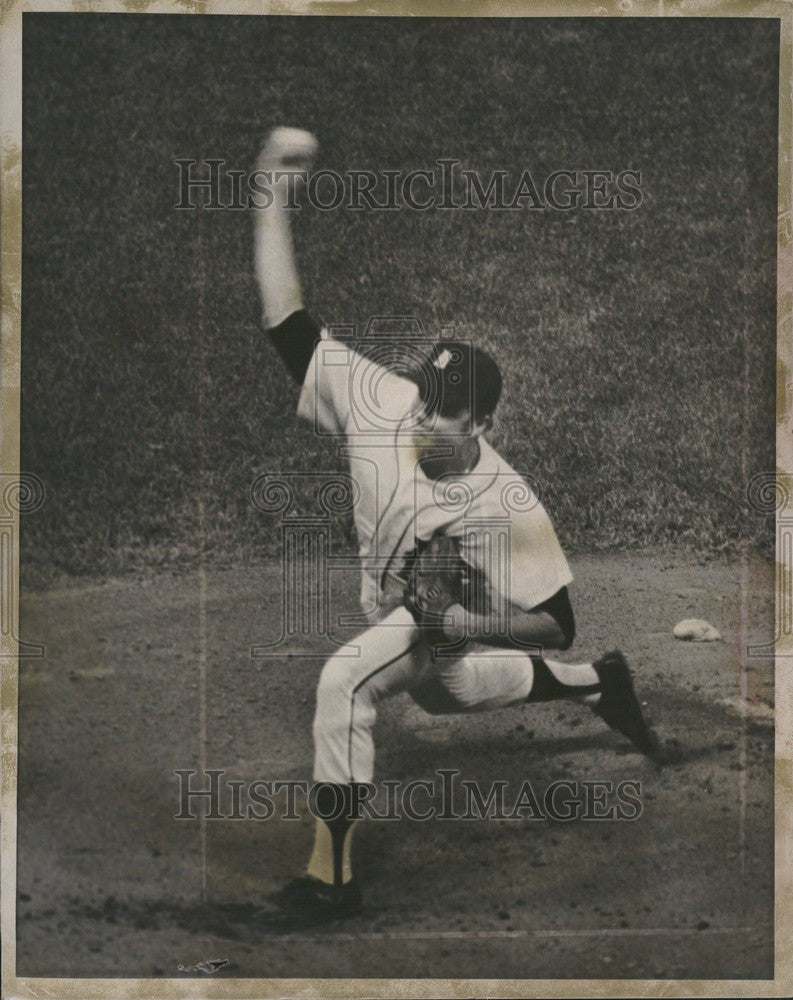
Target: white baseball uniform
503, 531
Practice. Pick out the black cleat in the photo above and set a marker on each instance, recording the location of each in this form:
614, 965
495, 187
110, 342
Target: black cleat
315, 901
619, 707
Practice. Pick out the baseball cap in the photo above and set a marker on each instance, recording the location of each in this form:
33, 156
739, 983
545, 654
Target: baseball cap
458, 377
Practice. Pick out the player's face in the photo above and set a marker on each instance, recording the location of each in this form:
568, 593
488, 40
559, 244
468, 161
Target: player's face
447, 444
433, 429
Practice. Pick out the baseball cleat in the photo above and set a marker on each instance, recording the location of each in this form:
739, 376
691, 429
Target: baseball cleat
618, 705
318, 901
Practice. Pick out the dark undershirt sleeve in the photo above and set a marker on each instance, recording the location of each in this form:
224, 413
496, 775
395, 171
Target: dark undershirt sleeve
561, 610
295, 340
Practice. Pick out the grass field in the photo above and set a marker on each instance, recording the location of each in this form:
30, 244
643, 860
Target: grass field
638, 347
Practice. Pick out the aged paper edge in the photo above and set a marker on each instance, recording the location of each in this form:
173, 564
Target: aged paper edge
11, 249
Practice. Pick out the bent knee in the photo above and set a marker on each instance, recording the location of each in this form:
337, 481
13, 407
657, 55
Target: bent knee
434, 698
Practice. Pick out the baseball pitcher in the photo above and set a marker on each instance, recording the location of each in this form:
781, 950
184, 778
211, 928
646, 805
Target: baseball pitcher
455, 619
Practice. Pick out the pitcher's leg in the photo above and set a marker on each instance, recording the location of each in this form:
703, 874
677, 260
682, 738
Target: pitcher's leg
350, 686
378, 663
487, 678
477, 683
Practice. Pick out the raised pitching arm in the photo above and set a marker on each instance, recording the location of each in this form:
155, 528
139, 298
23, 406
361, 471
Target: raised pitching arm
289, 326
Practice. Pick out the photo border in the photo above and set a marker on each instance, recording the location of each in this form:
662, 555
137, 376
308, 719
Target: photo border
11, 215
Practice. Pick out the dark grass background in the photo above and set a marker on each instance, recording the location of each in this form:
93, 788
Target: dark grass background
638, 347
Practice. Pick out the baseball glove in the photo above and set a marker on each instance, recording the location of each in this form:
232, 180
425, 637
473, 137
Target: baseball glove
436, 580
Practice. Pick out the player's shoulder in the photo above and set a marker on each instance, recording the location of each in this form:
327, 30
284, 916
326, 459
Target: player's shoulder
375, 397
499, 490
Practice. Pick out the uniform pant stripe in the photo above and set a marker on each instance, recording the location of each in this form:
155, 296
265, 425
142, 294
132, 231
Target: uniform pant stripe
356, 689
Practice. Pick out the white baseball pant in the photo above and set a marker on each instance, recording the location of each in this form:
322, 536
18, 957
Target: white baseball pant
391, 659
